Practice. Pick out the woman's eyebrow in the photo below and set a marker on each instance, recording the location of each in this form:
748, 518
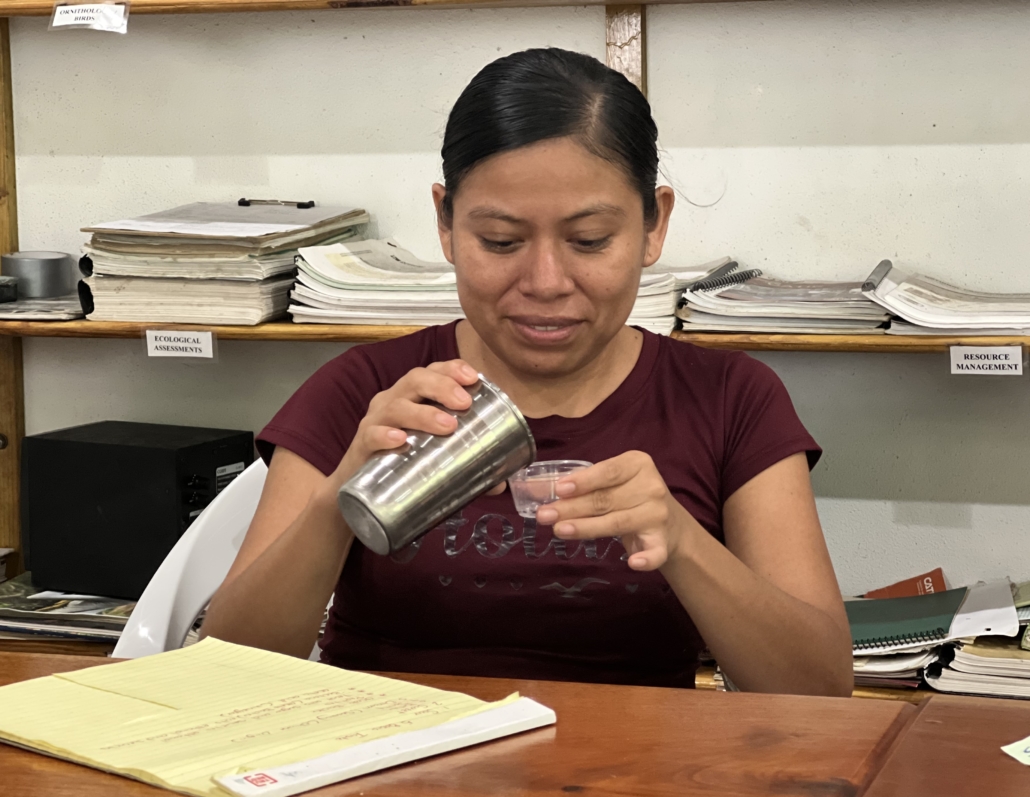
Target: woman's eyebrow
493, 213
597, 210
496, 214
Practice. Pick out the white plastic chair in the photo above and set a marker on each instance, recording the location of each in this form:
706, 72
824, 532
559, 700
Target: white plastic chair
193, 570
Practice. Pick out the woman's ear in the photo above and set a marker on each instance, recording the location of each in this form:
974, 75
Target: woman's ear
664, 198
443, 226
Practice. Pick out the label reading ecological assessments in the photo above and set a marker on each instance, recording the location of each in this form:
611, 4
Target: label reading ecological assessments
987, 360
180, 343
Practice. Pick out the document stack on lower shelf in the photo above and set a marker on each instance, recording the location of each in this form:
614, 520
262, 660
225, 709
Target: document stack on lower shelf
899, 641
926, 306
372, 282
990, 665
745, 301
205, 263
28, 614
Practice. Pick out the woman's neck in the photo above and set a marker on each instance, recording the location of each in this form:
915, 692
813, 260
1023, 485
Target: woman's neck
570, 395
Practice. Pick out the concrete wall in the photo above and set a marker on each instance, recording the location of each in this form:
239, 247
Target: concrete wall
812, 139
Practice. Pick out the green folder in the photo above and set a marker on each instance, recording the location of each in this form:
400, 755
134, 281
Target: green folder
900, 622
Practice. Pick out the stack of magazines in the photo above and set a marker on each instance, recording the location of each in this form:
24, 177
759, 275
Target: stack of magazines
926, 306
28, 614
745, 301
205, 263
379, 282
372, 282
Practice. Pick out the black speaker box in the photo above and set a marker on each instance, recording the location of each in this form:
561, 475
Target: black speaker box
103, 504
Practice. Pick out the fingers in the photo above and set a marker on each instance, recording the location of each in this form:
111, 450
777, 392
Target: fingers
637, 520
403, 405
604, 475
383, 438
497, 489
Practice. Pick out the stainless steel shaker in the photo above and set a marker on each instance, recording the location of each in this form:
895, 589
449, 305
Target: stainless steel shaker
400, 494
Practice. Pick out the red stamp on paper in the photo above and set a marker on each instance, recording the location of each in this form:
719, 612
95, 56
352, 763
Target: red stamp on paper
260, 779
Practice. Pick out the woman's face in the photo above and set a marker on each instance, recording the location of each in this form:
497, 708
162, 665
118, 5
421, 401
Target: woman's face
547, 242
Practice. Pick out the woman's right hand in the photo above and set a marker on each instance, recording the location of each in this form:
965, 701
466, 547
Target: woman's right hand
402, 407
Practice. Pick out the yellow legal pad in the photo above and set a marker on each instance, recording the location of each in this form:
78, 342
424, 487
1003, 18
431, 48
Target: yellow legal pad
182, 718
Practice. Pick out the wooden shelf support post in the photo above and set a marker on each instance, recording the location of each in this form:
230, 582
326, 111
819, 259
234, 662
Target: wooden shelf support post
12, 399
626, 42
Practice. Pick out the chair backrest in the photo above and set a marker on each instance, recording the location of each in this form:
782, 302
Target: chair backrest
193, 570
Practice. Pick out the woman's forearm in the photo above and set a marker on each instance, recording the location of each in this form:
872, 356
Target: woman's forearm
278, 602
764, 639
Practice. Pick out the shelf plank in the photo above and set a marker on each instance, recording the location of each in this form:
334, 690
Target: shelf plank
353, 333
38, 8
285, 330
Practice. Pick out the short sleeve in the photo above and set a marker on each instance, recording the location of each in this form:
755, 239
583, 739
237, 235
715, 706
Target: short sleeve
320, 420
761, 426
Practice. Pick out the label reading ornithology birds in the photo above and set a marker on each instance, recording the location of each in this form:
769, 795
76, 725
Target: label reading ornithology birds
109, 17
987, 360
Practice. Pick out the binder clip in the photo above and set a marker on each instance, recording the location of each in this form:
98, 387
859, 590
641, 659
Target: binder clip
246, 203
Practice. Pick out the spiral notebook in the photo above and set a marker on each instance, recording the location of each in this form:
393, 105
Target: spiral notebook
886, 624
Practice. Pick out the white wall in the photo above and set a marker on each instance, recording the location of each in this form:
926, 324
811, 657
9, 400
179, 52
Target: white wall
827, 136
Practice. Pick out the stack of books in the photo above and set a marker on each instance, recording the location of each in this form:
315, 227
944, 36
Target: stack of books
925, 306
900, 642
745, 301
372, 282
205, 263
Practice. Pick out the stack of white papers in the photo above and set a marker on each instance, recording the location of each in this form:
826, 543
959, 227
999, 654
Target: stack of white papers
894, 670
943, 309
208, 263
655, 308
765, 304
989, 666
188, 301
372, 282
380, 282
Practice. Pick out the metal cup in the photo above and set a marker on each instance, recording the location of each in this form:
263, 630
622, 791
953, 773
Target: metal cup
399, 495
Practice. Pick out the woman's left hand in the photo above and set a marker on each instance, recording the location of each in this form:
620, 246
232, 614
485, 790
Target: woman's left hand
622, 497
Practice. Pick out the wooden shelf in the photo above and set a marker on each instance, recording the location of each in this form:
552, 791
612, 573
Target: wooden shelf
352, 333
37, 8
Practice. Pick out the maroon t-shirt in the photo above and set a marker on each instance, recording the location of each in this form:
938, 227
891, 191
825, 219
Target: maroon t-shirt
490, 593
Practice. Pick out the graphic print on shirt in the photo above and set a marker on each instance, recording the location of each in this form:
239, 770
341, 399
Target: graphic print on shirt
490, 547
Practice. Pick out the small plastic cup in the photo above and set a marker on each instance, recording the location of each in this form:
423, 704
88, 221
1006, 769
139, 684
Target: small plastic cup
533, 487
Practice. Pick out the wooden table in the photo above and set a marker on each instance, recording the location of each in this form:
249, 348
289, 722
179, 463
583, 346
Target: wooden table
642, 741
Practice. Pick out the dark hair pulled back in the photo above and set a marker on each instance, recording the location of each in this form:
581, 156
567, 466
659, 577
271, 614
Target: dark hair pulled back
549, 93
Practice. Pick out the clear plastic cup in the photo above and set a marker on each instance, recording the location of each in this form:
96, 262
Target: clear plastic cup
533, 487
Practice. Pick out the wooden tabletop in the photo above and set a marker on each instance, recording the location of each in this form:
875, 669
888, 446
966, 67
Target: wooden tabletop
625, 741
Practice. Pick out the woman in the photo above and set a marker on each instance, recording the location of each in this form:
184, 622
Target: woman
697, 521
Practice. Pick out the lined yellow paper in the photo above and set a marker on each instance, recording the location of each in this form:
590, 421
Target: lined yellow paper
180, 719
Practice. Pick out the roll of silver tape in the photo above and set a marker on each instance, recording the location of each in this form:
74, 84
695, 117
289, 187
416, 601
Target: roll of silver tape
41, 275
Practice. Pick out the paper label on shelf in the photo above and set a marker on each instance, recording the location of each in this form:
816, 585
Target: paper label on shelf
180, 343
110, 17
991, 360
